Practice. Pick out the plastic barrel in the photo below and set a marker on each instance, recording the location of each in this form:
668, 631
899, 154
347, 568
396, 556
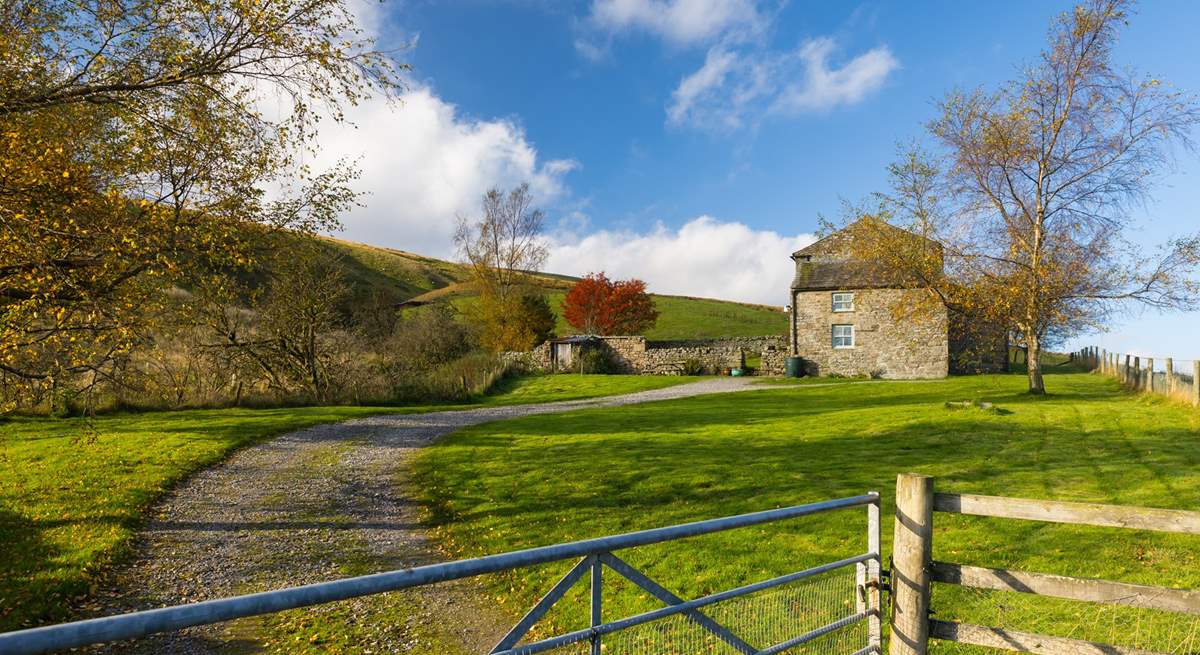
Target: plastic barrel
794, 367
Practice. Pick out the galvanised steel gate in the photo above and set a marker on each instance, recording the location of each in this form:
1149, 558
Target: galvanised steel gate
808, 607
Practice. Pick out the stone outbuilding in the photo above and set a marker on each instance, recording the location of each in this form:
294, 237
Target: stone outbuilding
848, 319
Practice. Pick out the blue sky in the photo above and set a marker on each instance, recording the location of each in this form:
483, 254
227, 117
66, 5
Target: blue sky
694, 143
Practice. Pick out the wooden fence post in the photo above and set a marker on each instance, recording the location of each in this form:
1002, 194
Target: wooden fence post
1170, 376
1196, 383
1150, 374
1104, 362
912, 551
1125, 377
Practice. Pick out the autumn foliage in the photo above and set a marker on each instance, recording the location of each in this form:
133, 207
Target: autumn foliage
134, 158
597, 305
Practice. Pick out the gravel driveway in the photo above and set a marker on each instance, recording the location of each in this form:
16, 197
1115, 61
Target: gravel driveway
312, 505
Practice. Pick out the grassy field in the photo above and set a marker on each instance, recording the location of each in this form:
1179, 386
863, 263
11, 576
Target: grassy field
373, 273
699, 318
547, 479
72, 493
679, 317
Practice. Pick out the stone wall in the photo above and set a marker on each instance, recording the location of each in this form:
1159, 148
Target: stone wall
715, 355
887, 343
537, 359
628, 354
749, 344
774, 361
636, 355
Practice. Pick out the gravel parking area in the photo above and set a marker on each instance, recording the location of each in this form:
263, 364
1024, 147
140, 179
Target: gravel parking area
314, 505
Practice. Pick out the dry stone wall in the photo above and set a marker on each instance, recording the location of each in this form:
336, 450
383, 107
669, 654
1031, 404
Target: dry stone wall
636, 355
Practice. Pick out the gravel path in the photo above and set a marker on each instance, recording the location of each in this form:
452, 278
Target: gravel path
312, 505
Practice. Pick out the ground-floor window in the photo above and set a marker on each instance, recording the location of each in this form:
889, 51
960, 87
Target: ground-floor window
843, 336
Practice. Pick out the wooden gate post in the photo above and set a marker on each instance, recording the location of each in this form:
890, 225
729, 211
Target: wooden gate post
912, 550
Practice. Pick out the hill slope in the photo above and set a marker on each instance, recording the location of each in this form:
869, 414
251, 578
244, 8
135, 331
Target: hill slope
384, 274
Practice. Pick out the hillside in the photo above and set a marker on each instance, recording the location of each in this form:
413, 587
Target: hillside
378, 274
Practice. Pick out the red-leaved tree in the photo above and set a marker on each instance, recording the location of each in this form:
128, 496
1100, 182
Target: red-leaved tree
597, 305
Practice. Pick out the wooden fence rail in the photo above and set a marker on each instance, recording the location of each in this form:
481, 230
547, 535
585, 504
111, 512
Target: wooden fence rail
1171, 380
914, 570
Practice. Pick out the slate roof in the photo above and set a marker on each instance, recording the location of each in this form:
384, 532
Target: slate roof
826, 265
831, 276
834, 242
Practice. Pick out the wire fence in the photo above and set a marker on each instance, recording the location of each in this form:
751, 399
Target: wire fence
1144, 629
829, 608
762, 619
1166, 376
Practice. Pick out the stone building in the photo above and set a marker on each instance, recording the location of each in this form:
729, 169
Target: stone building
848, 319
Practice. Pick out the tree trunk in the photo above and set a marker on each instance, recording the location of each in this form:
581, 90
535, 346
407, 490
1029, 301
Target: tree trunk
1033, 361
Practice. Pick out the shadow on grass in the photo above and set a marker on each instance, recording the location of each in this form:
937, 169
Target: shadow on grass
744, 452
27, 568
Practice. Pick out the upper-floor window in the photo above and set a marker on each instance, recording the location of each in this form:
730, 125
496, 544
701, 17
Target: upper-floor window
843, 336
843, 302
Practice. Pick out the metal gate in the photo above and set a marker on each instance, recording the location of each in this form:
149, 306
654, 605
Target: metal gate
833, 608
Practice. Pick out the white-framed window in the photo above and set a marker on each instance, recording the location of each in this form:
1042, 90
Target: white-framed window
843, 336
843, 301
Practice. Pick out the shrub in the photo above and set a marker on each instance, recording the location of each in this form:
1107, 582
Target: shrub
693, 366
595, 360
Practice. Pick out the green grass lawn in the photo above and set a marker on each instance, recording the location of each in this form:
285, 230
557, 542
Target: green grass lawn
72, 493
573, 386
553, 478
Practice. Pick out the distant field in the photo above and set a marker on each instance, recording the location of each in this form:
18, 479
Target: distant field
700, 318
72, 493
395, 275
546, 479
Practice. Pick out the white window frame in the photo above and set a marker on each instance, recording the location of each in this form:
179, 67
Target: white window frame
844, 298
835, 337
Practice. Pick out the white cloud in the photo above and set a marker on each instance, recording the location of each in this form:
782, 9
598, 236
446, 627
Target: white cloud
681, 22
705, 257
733, 88
824, 87
423, 163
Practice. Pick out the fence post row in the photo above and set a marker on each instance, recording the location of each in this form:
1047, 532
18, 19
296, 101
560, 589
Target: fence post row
911, 554
1133, 375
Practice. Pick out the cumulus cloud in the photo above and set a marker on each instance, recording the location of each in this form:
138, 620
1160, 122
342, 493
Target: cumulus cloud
681, 22
733, 88
705, 257
423, 163
823, 87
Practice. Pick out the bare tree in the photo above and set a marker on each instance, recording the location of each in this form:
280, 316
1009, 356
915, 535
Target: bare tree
505, 243
503, 247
